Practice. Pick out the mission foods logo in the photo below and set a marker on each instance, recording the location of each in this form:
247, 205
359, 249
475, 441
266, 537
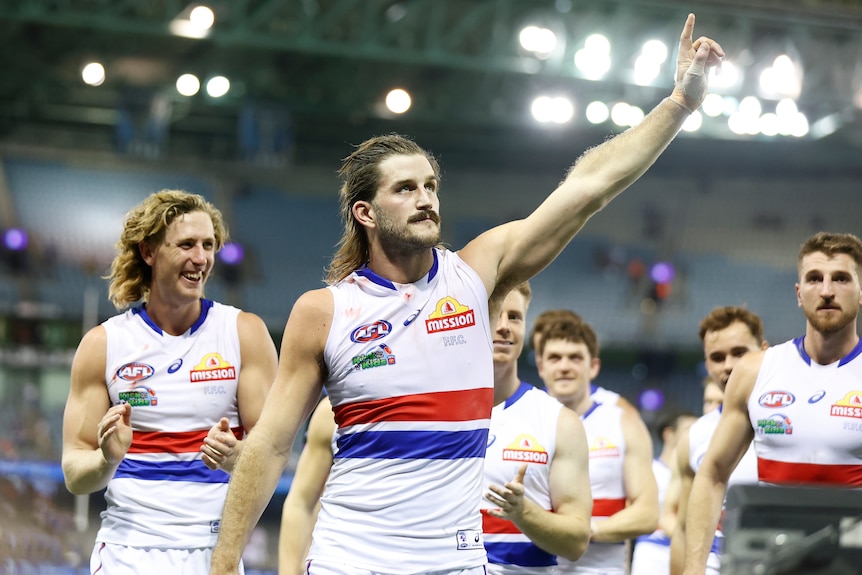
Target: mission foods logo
848, 406
525, 448
449, 314
603, 447
212, 368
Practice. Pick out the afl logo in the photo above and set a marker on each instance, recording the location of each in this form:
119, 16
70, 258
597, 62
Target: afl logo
135, 371
776, 399
817, 396
371, 331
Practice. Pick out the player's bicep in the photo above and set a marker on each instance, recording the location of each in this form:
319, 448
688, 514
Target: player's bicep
88, 398
569, 477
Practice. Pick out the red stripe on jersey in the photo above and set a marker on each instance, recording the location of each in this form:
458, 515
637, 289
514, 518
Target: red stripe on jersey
497, 525
464, 405
168, 442
784, 473
607, 507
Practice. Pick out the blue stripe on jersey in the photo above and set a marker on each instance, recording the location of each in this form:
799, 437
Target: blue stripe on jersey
663, 540
194, 471
413, 444
522, 554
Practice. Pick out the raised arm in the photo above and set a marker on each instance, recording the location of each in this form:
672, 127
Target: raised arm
640, 516
259, 363
682, 476
96, 436
514, 252
300, 507
267, 448
729, 443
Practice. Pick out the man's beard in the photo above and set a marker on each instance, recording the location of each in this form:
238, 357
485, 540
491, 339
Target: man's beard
404, 239
830, 323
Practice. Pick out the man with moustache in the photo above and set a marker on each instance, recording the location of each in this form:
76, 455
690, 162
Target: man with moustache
797, 401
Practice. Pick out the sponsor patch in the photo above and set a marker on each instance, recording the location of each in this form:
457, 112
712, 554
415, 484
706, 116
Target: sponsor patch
776, 399
603, 447
848, 406
775, 425
141, 396
526, 449
378, 357
135, 371
469, 539
212, 368
449, 314
371, 332
817, 396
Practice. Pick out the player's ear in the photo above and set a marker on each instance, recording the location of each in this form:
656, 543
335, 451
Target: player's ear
364, 213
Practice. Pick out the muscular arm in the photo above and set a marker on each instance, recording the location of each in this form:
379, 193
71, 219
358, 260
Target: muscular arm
297, 385
640, 516
565, 530
683, 475
514, 252
300, 507
96, 436
729, 443
259, 365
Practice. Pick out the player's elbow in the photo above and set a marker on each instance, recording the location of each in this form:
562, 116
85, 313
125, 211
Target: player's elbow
577, 541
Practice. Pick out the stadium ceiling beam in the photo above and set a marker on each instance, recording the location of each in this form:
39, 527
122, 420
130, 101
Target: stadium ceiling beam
470, 35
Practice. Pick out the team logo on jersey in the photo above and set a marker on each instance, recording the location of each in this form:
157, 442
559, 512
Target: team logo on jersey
141, 396
603, 447
449, 314
370, 331
776, 399
380, 356
848, 406
775, 425
212, 368
135, 371
525, 448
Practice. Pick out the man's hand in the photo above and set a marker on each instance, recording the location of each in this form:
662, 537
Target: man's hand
219, 445
115, 433
509, 498
694, 60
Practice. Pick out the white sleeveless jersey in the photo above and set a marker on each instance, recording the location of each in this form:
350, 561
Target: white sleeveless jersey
411, 382
652, 552
607, 452
807, 418
162, 494
602, 395
523, 430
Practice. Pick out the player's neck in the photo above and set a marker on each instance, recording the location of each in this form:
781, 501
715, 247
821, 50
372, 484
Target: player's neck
400, 267
826, 348
506, 380
173, 318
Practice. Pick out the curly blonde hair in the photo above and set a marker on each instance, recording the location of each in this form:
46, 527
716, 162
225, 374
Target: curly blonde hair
130, 276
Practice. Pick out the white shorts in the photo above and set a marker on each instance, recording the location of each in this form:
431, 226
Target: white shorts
650, 558
111, 559
318, 567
